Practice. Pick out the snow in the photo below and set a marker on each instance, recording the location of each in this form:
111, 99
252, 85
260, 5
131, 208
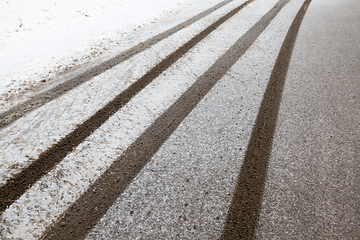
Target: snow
54, 35
39, 39
23, 218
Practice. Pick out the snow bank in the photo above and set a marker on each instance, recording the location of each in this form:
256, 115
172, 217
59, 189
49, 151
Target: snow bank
40, 38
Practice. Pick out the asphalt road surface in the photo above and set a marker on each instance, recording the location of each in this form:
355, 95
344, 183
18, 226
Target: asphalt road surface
240, 122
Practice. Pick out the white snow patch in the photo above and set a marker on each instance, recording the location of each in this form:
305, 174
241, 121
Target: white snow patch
41, 38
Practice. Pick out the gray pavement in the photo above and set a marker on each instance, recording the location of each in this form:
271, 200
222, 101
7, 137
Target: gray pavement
312, 188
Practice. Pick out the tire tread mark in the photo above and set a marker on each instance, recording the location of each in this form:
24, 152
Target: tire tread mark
245, 208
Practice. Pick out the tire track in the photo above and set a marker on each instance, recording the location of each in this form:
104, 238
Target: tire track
93, 204
9, 116
17, 185
245, 208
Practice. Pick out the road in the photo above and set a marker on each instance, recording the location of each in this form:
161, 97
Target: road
238, 122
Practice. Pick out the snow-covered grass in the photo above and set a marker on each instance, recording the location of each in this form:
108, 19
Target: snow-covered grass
39, 39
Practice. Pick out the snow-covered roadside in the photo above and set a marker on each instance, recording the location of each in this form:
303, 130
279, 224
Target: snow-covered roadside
39, 39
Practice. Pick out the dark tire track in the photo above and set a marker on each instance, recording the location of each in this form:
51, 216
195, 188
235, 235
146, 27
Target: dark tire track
9, 116
245, 208
17, 185
85, 212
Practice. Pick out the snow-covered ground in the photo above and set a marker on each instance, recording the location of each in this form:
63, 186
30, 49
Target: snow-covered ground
28, 137
39, 39
195, 171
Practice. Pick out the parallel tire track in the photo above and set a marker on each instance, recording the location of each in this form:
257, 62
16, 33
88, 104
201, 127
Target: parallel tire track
85, 212
17, 185
245, 208
39, 100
